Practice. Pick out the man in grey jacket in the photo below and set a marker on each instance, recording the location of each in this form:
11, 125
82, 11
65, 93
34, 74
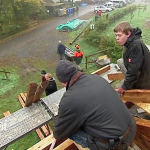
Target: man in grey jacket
91, 112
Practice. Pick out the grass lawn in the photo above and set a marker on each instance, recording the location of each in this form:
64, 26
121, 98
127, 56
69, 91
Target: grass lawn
16, 84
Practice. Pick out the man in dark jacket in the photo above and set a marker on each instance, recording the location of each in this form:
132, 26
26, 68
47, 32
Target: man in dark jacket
91, 112
136, 59
61, 50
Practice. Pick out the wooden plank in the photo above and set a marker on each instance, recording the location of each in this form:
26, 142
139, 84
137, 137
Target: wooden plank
144, 106
25, 94
45, 130
23, 97
136, 96
7, 113
40, 90
142, 138
39, 133
115, 76
48, 128
142, 141
102, 70
21, 100
64, 145
141, 98
143, 126
30, 94
43, 143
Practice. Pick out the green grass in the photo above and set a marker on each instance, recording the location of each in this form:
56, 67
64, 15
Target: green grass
17, 84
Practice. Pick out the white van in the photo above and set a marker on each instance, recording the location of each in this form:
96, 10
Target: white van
110, 5
118, 3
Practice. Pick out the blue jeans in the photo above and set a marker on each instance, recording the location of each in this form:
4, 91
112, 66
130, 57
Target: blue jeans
80, 137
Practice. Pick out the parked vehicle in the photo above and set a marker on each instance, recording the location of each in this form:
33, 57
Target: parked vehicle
118, 3
110, 5
102, 8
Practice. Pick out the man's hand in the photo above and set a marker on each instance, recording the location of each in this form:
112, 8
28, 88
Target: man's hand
121, 91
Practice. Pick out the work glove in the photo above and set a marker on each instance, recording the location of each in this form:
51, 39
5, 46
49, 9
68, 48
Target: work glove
121, 91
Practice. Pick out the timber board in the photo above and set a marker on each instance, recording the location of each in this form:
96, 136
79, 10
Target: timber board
112, 70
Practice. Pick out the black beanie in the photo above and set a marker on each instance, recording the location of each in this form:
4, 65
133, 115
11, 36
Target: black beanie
65, 70
43, 72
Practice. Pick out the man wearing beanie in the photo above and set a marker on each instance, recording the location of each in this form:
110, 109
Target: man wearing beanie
43, 73
91, 112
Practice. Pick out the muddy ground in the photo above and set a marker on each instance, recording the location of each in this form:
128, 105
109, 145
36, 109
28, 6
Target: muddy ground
42, 48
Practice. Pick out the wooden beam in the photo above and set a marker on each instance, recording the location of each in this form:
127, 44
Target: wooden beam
30, 94
102, 70
115, 76
64, 145
43, 143
23, 97
143, 126
142, 141
144, 106
21, 100
141, 98
136, 96
142, 138
7, 113
40, 134
40, 90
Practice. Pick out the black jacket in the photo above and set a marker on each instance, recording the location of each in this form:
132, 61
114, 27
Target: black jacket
137, 62
61, 48
91, 104
51, 88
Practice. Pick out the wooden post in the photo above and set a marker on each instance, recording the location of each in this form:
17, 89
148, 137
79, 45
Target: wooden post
30, 94
6, 74
86, 63
40, 91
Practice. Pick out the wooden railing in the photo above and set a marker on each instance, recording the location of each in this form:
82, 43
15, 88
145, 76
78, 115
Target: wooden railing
94, 54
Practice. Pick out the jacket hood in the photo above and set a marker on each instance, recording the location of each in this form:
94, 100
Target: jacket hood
135, 34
